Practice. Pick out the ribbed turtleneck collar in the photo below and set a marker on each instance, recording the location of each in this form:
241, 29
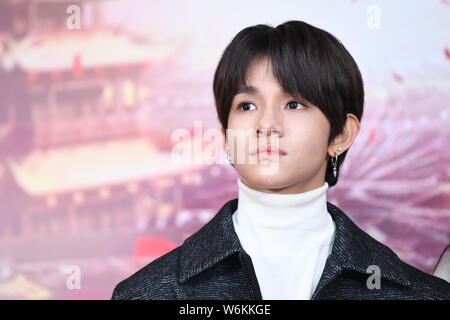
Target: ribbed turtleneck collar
272, 210
277, 222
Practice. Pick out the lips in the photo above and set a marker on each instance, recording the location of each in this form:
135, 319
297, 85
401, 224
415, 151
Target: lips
268, 150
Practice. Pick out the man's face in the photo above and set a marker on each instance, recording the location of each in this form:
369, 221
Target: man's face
302, 134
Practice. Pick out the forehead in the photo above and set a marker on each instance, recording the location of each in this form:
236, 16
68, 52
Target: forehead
259, 73
259, 68
250, 89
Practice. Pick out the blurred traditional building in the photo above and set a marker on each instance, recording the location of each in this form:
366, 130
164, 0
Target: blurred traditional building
85, 127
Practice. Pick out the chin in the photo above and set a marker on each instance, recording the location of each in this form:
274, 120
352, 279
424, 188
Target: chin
259, 180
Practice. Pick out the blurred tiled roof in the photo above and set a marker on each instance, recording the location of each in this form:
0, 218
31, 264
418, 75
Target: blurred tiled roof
94, 48
93, 165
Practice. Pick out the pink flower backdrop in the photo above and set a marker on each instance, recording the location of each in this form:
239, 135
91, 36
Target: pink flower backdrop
89, 193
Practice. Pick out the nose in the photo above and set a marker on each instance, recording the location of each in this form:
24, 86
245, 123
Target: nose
269, 124
271, 131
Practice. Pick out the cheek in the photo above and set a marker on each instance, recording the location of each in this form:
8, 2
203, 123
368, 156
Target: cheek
309, 141
241, 131
238, 121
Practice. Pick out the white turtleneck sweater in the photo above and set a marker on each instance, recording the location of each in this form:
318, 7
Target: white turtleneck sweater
288, 237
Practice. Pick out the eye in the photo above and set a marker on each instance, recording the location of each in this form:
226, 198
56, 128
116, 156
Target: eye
244, 104
295, 104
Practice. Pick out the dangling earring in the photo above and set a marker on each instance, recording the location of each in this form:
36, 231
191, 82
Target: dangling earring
334, 163
229, 158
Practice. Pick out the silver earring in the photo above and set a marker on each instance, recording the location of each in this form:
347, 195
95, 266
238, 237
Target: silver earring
230, 160
334, 163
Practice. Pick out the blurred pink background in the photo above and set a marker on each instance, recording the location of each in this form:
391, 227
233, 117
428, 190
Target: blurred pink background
88, 190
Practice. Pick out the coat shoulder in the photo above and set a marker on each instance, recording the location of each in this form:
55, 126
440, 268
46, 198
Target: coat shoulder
425, 285
155, 281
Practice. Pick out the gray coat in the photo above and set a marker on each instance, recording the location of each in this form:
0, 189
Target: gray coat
211, 264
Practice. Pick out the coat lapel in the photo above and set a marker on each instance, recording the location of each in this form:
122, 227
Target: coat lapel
211, 244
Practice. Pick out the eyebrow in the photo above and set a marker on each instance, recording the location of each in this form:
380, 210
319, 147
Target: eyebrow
253, 90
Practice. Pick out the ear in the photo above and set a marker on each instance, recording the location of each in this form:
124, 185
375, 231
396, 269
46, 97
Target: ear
346, 138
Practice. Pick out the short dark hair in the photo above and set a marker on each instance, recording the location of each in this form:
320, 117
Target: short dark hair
305, 60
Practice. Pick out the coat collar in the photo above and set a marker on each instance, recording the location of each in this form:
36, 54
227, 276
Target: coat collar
353, 249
